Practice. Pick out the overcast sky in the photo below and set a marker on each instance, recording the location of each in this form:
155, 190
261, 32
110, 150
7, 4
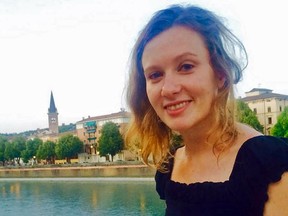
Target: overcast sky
79, 49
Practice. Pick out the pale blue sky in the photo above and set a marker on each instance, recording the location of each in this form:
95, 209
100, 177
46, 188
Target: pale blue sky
79, 49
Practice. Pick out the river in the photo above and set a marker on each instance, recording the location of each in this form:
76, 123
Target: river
79, 196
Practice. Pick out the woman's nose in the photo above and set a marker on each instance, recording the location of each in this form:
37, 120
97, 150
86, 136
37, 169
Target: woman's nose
170, 87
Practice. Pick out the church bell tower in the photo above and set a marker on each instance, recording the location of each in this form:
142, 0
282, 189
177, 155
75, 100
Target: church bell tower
53, 116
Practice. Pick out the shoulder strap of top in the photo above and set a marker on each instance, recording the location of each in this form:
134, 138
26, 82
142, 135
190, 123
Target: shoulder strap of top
267, 154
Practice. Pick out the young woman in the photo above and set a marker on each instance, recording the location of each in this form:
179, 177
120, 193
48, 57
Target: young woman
183, 69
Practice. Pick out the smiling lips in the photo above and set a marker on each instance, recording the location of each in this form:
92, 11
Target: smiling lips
177, 106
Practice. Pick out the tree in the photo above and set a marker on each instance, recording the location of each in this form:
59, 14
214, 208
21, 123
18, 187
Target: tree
110, 141
3, 142
25, 156
18, 144
247, 116
31, 149
46, 151
9, 152
280, 129
68, 146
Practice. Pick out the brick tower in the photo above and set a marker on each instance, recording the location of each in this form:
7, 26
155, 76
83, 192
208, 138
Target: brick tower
53, 116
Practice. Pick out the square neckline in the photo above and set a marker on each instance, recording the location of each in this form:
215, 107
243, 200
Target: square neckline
237, 158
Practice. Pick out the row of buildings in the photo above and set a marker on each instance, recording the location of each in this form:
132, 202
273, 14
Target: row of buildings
87, 130
263, 102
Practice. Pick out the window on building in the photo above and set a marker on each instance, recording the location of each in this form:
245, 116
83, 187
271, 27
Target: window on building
280, 108
84, 133
255, 110
269, 109
269, 120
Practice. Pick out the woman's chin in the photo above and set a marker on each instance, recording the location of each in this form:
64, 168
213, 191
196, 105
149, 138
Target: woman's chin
178, 127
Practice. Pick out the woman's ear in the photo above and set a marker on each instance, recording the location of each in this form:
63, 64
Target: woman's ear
221, 81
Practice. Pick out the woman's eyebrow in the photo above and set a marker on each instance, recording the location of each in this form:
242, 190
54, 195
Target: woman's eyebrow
184, 55
175, 59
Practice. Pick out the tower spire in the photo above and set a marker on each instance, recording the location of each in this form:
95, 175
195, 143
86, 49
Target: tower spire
52, 108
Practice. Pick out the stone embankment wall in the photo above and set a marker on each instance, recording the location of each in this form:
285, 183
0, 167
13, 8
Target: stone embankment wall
88, 171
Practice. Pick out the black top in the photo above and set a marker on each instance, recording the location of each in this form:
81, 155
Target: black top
260, 161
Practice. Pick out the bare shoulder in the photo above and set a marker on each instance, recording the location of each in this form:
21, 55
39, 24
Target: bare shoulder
179, 152
246, 132
278, 197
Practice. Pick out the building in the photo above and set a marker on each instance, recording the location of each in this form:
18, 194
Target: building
51, 133
266, 105
85, 131
53, 116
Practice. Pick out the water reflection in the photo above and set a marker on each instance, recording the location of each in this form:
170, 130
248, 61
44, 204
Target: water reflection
80, 197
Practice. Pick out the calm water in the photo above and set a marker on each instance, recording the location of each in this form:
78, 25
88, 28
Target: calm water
79, 196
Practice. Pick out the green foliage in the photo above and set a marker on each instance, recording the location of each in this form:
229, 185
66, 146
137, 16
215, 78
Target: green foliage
68, 146
46, 151
9, 152
280, 129
31, 149
3, 142
110, 141
247, 116
19, 145
25, 156
64, 128
177, 141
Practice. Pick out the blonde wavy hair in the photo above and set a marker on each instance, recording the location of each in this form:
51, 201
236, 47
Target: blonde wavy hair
223, 46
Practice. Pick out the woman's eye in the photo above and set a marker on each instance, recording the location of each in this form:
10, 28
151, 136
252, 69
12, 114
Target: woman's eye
186, 67
155, 75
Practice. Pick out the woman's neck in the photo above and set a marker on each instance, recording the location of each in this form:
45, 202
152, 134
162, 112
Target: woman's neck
198, 141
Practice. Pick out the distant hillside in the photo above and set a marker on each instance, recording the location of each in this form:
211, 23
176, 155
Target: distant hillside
63, 128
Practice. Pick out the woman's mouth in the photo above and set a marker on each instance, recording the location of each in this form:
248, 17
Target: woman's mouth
177, 106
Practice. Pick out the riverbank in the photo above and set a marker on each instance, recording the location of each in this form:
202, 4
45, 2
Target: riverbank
113, 170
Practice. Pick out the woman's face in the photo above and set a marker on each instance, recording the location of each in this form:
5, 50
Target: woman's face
180, 82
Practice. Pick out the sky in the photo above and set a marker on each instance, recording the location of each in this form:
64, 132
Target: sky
80, 49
